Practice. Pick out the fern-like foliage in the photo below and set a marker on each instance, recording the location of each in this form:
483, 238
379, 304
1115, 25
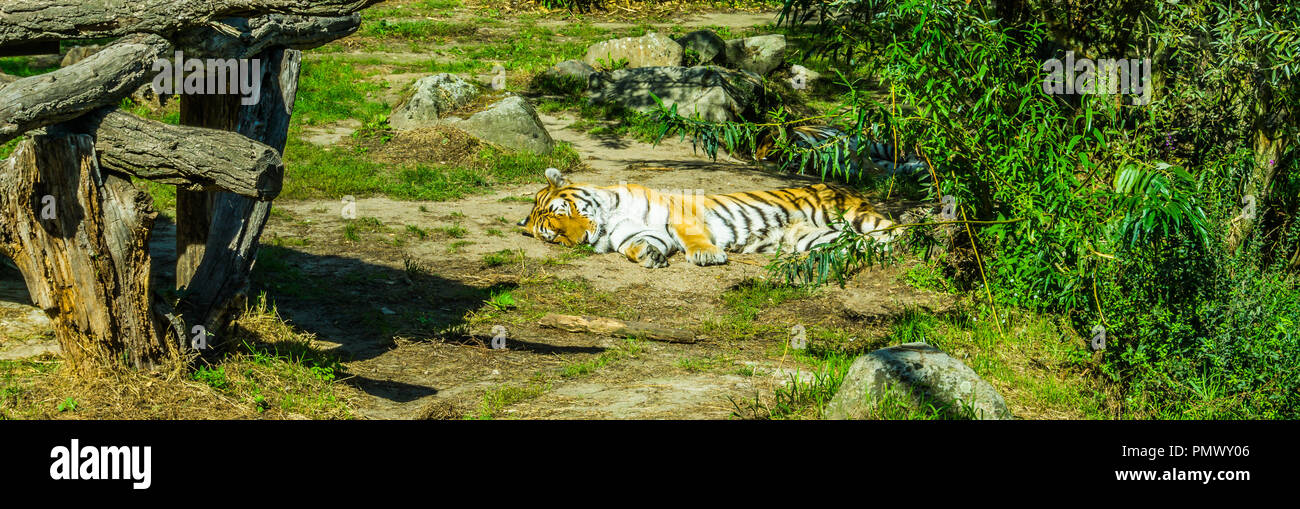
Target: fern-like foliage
1157, 202
834, 261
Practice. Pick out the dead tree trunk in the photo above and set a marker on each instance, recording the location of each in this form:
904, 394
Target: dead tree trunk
73, 222
81, 239
219, 285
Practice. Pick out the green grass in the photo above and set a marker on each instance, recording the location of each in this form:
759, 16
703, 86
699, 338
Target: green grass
752, 296
313, 172
332, 89
496, 400
455, 231
416, 231
417, 30
629, 349
504, 257
457, 246
22, 67
704, 364
164, 196
8, 147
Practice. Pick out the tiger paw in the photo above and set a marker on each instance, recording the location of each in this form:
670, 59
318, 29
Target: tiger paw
652, 258
647, 255
707, 256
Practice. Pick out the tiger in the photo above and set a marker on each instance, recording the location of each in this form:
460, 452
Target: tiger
648, 227
852, 154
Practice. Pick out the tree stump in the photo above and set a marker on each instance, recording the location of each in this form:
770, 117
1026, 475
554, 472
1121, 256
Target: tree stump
80, 236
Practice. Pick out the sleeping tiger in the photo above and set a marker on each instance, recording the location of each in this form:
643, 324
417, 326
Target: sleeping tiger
648, 227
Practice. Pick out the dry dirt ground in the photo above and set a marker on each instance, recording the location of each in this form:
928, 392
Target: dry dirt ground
409, 312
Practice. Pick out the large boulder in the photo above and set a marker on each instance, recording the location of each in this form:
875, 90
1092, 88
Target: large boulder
759, 55
713, 93
710, 48
512, 123
434, 97
920, 371
649, 50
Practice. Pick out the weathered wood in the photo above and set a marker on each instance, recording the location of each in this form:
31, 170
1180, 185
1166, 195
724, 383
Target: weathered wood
194, 208
102, 79
6, 79
219, 285
44, 20
80, 236
612, 327
191, 158
256, 35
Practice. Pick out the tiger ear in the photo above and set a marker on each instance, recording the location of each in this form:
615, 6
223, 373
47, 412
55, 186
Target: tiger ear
557, 180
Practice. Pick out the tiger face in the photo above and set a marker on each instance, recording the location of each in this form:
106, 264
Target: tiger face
556, 216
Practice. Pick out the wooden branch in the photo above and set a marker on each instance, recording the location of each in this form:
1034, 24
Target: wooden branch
191, 158
612, 327
102, 79
43, 20
258, 34
6, 79
219, 285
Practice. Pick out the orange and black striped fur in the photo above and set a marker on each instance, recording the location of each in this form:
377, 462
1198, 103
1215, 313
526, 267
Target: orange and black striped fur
648, 227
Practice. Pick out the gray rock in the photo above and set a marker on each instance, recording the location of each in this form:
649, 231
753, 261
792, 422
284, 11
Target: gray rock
564, 78
512, 123
714, 93
434, 97
759, 54
573, 69
711, 48
921, 370
802, 77
31, 349
649, 50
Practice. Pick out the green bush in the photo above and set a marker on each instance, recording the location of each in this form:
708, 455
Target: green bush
1121, 215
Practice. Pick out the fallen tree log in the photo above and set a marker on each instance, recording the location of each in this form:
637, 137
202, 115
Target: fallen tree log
246, 37
612, 327
191, 158
80, 236
45, 20
102, 79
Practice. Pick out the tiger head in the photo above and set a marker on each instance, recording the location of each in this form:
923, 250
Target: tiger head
557, 215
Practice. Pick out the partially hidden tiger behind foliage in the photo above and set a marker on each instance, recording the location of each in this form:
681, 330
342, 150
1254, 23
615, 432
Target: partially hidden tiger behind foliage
649, 227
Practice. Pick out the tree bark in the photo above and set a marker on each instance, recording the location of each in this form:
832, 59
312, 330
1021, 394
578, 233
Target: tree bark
80, 236
256, 35
191, 158
220, 282
45, 20
102, 79
194, 208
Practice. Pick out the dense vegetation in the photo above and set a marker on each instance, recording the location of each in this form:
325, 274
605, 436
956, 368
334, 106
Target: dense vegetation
1167, 223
